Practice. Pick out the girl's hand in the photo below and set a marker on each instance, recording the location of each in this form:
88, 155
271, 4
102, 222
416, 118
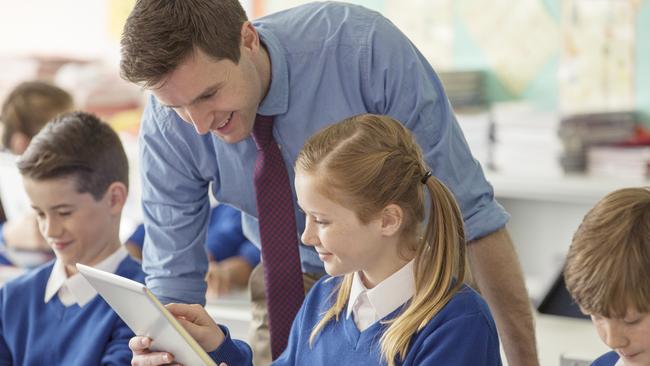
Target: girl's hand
142, 356
198, 323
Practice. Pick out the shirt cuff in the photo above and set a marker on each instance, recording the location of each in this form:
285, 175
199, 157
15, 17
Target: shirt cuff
232, 352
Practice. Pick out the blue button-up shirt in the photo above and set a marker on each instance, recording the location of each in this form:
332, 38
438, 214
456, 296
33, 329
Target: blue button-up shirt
328, 61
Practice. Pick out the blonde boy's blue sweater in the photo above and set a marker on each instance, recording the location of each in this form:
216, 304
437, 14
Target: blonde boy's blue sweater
608, 359
463, 333
33, 332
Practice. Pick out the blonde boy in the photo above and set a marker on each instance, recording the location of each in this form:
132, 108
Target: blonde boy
608, 274
75, 173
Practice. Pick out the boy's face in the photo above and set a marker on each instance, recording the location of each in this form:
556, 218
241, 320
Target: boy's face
629, 336
77, 227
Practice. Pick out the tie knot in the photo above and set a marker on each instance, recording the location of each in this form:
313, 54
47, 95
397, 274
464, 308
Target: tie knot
263, 130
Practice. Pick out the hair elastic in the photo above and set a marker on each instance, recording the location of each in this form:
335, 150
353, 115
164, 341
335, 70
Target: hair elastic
425, 177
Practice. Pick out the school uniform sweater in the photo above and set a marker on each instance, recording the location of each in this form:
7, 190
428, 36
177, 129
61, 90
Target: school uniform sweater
463, 333
33, 332
608, 359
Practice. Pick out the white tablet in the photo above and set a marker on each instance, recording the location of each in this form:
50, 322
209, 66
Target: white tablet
146, 316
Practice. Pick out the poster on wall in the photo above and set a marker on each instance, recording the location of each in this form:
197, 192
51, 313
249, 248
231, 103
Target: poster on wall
517, 38
597, 62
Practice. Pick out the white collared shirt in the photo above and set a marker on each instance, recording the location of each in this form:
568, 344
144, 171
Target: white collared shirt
370, 306
75, 289
619, 362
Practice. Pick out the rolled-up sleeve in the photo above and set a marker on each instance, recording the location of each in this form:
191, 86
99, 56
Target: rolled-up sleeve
401, 83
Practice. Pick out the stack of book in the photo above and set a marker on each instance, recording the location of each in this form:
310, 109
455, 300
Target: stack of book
526, 140
625, 162
582, 132
465, 89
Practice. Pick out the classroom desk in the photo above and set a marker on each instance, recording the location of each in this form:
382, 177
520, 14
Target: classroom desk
556, 335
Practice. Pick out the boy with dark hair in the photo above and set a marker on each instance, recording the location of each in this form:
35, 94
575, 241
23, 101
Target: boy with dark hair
75, 172
608, 274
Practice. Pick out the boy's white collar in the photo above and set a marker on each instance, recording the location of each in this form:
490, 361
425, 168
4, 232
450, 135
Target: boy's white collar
75, 289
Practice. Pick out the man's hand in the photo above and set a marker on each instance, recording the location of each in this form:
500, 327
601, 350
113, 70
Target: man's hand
227, 274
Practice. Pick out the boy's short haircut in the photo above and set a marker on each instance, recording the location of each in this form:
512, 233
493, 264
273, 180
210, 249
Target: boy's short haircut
77, 145
30, 106
160, 34
608, 266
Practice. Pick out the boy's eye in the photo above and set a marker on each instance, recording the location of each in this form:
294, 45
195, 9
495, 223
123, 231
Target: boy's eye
65, 213
631, 321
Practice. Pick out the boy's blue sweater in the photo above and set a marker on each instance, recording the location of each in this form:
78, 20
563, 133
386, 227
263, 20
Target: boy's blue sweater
36, 333
463, 333
608, 359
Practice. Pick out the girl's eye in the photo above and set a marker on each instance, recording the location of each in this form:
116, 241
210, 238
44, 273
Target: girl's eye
66, 213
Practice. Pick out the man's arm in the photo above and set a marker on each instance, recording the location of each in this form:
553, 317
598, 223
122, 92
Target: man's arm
496, 270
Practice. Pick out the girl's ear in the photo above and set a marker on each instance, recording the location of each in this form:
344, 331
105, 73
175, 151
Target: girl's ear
392, 217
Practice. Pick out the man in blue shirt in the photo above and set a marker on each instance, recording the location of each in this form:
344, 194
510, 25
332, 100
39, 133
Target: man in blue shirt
211, 71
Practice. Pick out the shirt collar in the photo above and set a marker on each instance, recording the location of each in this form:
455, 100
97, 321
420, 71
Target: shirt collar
81, 291
388, 295
276, 100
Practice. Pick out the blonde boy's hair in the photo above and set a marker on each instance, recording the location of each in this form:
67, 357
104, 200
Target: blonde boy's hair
608, 265
365, 163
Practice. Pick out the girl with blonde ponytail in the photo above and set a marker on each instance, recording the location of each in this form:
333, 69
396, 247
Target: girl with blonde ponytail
396, 295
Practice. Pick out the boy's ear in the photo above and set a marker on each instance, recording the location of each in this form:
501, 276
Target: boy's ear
18, 143
392, 217
116, 197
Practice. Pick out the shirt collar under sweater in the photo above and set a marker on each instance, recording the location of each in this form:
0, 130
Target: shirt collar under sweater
371, 305
75, 289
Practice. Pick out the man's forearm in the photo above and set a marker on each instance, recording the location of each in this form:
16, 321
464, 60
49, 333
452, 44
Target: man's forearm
497, 272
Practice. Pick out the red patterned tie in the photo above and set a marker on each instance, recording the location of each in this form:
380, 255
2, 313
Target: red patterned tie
277, 221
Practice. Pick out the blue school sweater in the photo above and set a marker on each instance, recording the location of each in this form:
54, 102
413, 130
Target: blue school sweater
608, 359
36, 333
463, 333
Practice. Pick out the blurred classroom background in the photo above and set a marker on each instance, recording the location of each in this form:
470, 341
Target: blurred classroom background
553, 97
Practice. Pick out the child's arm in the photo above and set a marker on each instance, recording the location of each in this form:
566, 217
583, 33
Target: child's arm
117, 350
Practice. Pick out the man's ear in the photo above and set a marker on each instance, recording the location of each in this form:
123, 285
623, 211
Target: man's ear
116, 197
18, 143
392, 217
249, 37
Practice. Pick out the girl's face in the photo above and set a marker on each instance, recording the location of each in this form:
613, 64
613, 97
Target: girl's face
629, 336
343, 242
